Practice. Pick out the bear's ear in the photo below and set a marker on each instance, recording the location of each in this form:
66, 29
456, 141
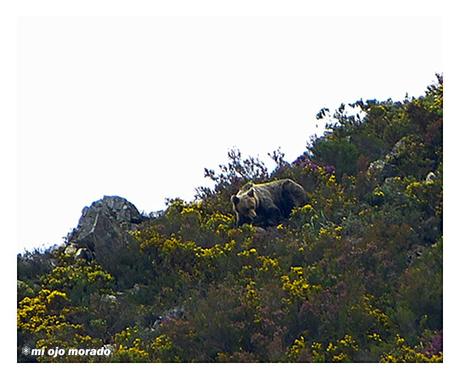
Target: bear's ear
235, 199
251, 193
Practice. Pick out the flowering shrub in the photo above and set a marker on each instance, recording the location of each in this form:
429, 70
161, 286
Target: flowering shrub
296, 286
403, 353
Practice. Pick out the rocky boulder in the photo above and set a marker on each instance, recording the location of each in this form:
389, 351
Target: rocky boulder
103, 233
120, 211
387, 167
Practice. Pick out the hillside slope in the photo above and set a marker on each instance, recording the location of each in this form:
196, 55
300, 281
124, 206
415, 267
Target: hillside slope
353, 276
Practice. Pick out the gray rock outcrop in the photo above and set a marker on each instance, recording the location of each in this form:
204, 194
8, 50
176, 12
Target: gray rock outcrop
387, 167
117, 209
102, 232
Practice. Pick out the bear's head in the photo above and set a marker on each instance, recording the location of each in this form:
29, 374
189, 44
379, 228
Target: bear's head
245, 204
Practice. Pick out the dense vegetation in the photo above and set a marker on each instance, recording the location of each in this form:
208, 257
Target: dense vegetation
353, 276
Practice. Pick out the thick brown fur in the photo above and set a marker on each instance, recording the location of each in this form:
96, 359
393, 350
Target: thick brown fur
267, 204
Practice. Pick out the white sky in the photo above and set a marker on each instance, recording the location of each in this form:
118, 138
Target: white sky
137, 107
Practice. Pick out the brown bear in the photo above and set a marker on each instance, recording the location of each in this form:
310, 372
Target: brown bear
266, 204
